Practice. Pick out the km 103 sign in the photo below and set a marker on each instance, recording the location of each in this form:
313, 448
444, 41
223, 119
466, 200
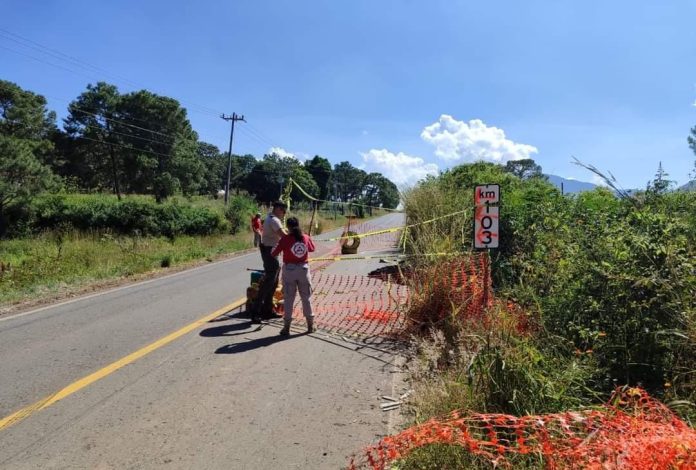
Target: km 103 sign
486, 231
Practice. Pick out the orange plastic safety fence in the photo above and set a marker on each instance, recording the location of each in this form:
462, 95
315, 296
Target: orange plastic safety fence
460, 285
352, 304
378, 304
632, 431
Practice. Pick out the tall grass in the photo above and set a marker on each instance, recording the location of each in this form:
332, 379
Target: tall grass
57, 261
64, 259
610, 285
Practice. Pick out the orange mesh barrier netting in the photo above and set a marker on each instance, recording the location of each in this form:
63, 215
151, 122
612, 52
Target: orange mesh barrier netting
632, 431
375, 305
460, 284
348, 304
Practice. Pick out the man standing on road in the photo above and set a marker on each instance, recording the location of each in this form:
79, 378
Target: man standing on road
271, 233
256, 227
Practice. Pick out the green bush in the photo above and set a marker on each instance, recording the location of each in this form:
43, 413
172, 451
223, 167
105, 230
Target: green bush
139, 215
612, 276
239, 211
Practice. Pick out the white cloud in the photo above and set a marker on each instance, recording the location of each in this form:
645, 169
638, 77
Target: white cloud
599, 181
281, 152
398, 167
457, 140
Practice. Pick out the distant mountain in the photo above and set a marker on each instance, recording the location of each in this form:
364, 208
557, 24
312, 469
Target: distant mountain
575, 186
690, 186
570, 186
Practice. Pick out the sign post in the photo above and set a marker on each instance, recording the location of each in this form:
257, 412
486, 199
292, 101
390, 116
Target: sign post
486, 226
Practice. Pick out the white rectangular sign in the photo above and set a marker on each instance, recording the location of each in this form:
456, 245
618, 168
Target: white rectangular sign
486, 233
488, 193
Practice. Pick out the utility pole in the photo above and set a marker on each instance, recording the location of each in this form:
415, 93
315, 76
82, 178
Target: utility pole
234, 118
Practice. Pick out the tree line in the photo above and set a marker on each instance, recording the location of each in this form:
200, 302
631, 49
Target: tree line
143, 143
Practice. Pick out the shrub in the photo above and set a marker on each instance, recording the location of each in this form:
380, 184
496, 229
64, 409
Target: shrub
132, 215
615, 278
239, 211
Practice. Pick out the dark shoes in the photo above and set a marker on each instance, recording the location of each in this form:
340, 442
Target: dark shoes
286, 329
256, 317
310, 326
270, 316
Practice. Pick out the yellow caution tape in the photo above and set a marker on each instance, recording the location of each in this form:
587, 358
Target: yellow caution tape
303, 191
361, 235
390, 230
352, 258
308, 196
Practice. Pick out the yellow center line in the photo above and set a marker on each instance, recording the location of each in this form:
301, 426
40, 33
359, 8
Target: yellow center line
27, 411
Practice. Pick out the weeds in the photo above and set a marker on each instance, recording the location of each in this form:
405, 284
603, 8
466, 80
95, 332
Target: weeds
66, 258
591, 291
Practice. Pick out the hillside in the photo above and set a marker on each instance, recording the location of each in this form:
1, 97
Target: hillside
570, 186
690, 186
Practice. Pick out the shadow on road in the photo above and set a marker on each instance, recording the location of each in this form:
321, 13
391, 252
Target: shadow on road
230, 315
251, 344
227, 330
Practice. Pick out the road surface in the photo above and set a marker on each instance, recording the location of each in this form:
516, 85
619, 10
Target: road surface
220, 394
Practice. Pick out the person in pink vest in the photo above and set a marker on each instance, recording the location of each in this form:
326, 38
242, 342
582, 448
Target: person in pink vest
257, 228
296, 247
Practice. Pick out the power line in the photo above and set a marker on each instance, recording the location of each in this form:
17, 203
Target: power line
263, 136
74, 62
72, 106
45, 62
125, 146
252, 136
169, 136
80, 110
61, 67
28, 43
259, 138
109, 131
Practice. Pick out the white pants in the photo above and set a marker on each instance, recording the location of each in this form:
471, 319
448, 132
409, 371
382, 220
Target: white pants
296, 278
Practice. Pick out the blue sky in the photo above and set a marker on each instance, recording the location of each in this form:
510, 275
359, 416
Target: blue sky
404, 87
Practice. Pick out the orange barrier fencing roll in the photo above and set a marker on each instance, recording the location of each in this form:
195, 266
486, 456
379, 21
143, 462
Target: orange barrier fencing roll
632, 431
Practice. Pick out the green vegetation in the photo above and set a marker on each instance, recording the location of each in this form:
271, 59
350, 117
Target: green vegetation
60, 229
140, 143
77, 241
594, 291
63, 261
139, 215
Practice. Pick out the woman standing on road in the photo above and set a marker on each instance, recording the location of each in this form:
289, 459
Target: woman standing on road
295, 247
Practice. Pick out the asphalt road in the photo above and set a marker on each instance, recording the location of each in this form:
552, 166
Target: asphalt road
226, 394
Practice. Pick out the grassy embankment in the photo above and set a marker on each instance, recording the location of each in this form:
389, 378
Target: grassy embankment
62, 260
592, 292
